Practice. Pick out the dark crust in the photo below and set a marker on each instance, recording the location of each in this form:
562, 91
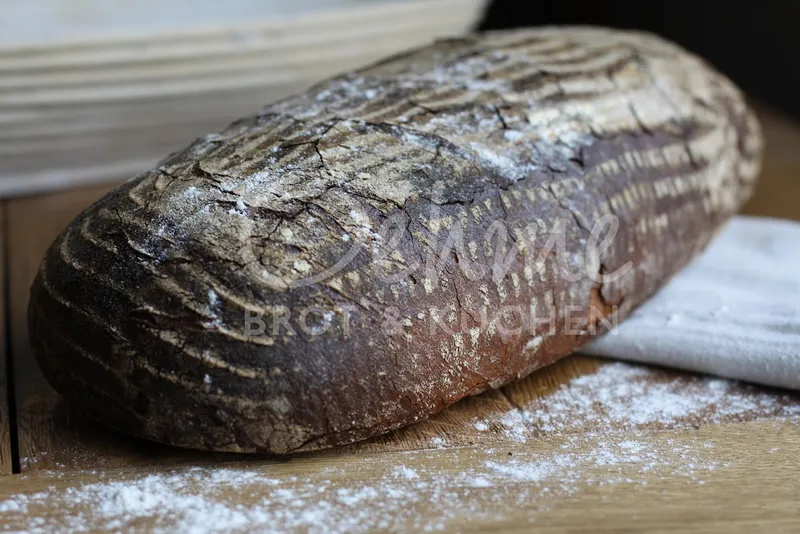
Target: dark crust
137, 312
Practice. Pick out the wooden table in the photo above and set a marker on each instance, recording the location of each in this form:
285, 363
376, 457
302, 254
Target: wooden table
721, 469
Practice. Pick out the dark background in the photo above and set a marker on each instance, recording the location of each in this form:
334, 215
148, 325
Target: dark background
756, 43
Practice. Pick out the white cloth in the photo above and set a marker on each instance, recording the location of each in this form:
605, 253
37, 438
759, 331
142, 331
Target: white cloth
733, 312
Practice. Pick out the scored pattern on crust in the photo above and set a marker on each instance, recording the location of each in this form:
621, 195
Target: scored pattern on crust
138, 312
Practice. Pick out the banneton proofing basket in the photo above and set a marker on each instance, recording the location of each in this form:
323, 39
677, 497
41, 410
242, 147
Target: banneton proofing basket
92, 92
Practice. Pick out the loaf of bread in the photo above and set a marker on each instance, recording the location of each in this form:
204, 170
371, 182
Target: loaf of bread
362, 255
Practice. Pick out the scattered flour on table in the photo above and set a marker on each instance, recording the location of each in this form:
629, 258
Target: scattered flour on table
480, 426
438, 442
393, 497
622, 396
443, 482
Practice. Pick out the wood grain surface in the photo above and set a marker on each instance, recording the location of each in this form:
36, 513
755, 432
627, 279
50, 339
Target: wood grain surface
6, 460
756, 491
753, 490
